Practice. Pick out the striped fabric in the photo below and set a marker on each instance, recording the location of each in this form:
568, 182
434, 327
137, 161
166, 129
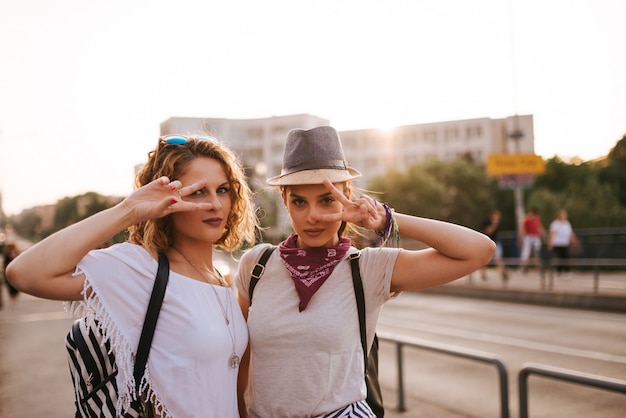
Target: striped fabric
93, 372
356, 410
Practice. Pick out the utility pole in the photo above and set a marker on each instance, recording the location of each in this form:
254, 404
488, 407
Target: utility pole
516, 135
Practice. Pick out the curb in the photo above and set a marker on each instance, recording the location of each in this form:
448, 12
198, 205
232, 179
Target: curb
549, 298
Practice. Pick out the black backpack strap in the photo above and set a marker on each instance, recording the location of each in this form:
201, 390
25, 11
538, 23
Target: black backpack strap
360, 301
374, 394
154, 307
259, 269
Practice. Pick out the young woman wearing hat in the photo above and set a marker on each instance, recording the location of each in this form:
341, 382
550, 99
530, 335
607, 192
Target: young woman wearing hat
192, 196
305, 358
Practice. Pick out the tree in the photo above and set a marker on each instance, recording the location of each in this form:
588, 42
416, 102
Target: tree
615, 171
67, 211
456, 191
559, 174
29, 225
593, 193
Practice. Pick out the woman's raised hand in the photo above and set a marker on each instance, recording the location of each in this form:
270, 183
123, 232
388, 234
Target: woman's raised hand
162, 197
365, 211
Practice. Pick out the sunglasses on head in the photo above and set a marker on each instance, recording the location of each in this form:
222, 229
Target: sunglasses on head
181, 139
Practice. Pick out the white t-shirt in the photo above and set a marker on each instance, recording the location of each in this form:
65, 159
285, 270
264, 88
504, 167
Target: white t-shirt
561, 233
188, 366
305, 364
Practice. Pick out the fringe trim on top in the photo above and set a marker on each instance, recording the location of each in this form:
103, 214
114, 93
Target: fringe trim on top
124, 354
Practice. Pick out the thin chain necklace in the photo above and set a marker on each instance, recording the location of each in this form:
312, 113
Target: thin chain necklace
217, 275
234, 359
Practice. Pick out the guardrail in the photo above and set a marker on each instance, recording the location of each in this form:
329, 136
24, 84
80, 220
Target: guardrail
594, 263
570, 376
547, 267
453, 351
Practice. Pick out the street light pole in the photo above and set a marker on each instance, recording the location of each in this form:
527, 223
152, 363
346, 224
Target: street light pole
517, 135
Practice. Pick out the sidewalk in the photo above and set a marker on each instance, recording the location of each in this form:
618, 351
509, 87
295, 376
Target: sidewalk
34, 376
577, 290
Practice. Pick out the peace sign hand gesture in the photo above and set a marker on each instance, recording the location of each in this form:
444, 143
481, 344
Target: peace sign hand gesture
365, 211
162, 197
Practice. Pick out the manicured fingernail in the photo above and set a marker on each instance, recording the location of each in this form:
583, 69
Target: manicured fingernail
174, 200
172, 187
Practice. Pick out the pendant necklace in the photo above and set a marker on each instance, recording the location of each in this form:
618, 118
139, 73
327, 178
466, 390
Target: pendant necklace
217, 275
234, 359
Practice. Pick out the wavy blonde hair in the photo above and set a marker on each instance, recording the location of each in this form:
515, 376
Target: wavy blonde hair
171, 160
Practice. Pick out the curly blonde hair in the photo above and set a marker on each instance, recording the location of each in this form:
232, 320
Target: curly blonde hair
171, 160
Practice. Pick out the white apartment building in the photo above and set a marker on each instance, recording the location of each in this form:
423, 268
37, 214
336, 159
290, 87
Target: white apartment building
403, 146
259, 142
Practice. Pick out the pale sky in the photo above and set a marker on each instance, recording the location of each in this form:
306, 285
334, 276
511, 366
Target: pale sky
84, 84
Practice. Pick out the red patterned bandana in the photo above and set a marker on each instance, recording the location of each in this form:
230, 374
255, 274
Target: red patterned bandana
310, 267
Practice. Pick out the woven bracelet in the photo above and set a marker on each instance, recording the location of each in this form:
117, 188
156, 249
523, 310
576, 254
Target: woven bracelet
385, 232
391, 227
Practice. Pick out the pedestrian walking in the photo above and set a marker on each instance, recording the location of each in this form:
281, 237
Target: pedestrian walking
532, 236
561, 239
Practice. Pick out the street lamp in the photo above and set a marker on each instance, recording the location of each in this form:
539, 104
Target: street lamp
516, 135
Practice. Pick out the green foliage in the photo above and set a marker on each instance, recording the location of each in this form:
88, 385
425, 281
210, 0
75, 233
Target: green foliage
67, 211
589, 203
615, 171
456, 191
73, 209
594, 193
559, 174
28, 226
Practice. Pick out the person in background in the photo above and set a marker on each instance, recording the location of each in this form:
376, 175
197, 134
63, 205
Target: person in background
305, 357
191, 196
10, 252
490, 228
532, 234
561, 238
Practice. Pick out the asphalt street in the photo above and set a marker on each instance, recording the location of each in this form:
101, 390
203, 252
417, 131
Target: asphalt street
35, 380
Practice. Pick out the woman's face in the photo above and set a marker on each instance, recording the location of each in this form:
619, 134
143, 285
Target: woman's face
204, 225
302, 202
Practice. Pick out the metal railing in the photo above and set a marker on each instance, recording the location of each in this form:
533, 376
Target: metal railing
594, 263
570, 376
547, 267
565, 375
453, 351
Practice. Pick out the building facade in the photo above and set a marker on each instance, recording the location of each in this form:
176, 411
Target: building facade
259, 143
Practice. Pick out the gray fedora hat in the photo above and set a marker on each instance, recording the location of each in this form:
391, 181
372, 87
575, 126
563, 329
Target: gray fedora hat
311, 156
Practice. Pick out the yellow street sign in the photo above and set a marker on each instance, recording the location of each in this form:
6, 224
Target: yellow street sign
505, 164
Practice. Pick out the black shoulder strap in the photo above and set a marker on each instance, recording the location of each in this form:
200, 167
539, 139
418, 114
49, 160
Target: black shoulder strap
259, 269
360, 301
154, 307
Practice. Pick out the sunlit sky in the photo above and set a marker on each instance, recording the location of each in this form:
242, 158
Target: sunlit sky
84, 84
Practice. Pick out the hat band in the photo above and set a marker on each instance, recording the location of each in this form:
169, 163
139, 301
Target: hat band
315, 165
